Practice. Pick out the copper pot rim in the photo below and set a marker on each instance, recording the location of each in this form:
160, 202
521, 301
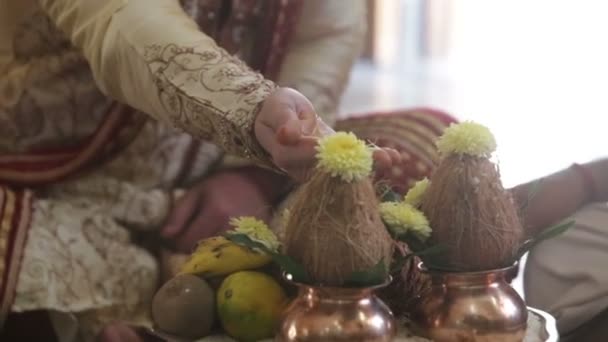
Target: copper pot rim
288, 278
437, 271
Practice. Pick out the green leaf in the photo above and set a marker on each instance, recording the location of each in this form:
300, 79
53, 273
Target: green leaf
373, 276
548, 233
532, 192
554, 231
413, 242
245, 241
391, 196
291, 267
286, 263
433, 250
433, 258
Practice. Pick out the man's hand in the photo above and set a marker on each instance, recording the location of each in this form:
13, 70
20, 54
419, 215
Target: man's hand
206, 209
288, 128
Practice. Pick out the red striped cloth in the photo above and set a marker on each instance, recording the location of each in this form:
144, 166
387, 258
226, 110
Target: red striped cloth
15, 215
412, 132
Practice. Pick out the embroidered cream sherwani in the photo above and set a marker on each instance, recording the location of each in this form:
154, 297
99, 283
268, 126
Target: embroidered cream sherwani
61, 63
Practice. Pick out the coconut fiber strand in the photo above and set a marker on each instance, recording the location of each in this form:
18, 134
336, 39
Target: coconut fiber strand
334, 229
473, 217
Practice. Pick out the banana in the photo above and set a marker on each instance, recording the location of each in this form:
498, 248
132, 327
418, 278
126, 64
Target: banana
218, 256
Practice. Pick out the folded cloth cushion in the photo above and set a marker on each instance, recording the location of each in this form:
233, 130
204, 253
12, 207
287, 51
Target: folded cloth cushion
412, 132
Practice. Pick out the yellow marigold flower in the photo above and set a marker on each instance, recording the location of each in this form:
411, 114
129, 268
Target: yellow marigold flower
402, 218
256, 230
342, 154
414, 195
467, 138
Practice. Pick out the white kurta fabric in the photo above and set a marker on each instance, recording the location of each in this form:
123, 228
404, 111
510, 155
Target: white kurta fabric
60, 63
567, 276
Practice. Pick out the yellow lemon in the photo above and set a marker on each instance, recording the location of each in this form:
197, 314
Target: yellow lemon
250, 305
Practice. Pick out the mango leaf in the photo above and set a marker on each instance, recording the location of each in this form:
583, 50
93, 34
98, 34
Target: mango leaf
433, 250
286, 263
245, 241
554, 231
400, 261
291, 267
370, 277
548, 233
532, 192
391, 196
413, 242
433, 258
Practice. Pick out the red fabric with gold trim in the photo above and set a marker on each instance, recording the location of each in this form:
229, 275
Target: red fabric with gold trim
15, 216
282, 27
39, 167
257, 31
412, 132
272, 28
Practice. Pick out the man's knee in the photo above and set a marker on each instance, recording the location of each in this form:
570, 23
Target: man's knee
566, 275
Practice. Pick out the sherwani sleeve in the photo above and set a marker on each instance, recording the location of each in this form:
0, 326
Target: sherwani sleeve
150, 55
326, 44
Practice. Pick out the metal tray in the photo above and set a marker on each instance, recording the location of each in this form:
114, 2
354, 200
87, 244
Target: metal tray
548, 333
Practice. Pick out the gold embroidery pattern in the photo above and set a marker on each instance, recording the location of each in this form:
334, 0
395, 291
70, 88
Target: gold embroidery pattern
183, 74
79, 259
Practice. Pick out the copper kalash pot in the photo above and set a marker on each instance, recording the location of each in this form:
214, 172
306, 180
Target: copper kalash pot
471, 307
337, 314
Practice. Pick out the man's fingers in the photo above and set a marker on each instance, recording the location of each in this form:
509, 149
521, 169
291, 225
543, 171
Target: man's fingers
180, 215
302, 153
309, 121
204, 225
394, 154
307, 124
290, 133
382, 160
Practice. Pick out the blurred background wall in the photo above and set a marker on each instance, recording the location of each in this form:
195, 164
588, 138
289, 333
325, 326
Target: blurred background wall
534, 71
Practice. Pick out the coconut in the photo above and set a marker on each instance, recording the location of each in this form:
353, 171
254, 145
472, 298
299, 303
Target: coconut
472, 216
334, 227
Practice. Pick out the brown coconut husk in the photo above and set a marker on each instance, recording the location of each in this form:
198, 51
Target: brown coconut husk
472, 215
408, 286
334, 229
